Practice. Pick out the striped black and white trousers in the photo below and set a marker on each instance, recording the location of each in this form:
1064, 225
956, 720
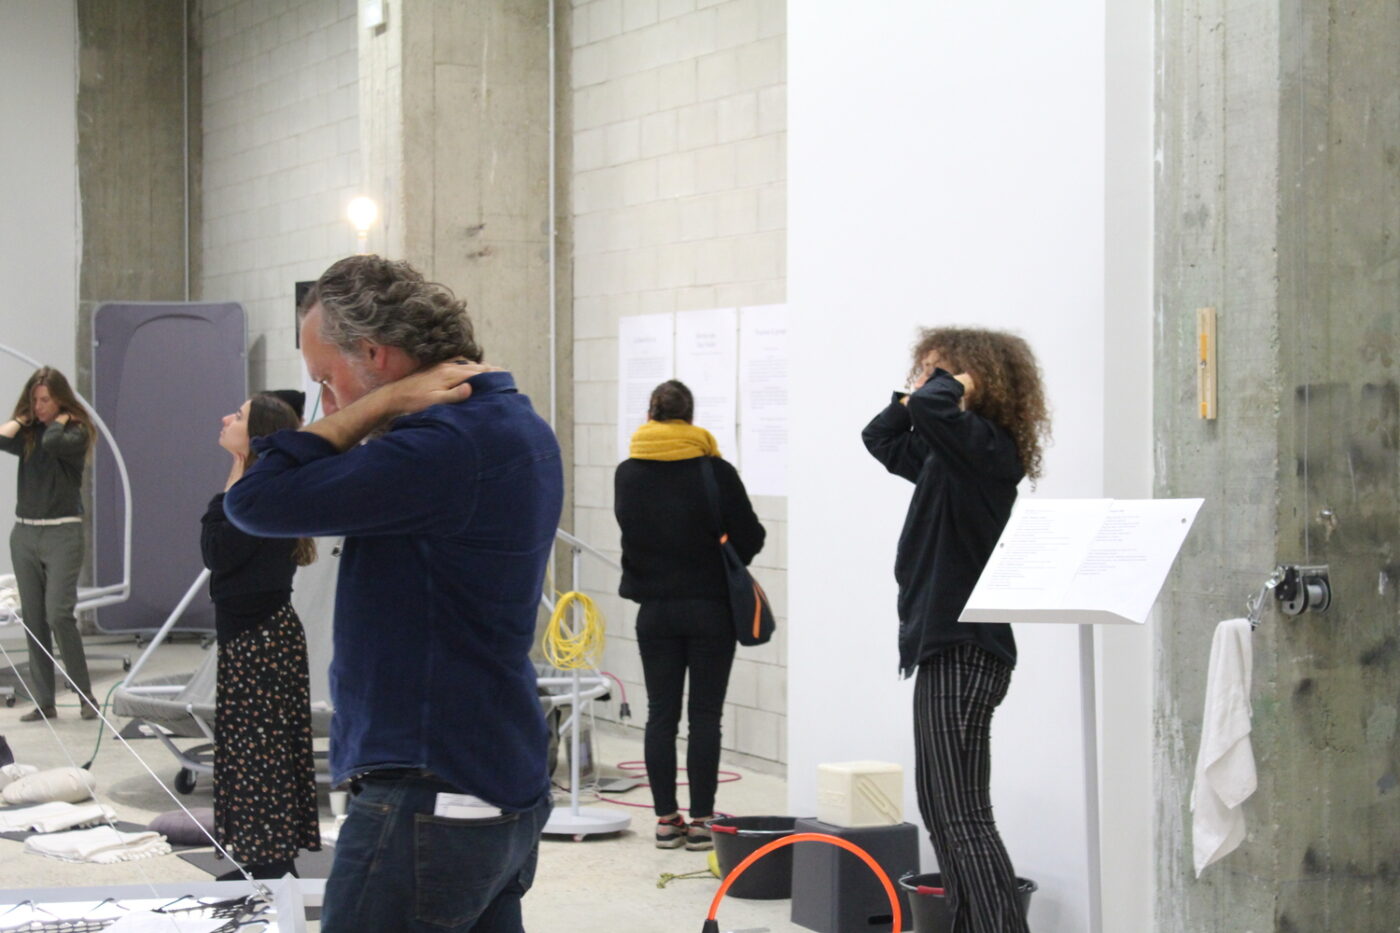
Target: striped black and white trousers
955, 694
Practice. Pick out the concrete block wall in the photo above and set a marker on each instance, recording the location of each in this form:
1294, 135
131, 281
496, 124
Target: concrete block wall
281, 161
679, 204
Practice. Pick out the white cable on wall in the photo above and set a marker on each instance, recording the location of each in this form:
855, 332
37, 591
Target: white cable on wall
553, 238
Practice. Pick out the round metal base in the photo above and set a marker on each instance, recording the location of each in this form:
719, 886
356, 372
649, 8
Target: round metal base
588, 821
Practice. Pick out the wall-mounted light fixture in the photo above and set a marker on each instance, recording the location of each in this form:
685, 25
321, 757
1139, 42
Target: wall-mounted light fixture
362, 213
372, 14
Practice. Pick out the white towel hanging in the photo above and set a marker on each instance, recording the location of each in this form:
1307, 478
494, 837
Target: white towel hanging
1225, 775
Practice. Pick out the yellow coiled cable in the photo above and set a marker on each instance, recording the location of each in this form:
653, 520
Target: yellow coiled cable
568, 650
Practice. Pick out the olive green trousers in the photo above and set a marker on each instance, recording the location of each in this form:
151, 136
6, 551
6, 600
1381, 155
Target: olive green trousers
47, 559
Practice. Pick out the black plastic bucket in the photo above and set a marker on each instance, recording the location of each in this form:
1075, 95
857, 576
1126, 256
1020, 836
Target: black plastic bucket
738, 837
930, 910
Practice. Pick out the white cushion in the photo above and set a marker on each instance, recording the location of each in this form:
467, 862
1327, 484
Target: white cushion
70, 785
13, 772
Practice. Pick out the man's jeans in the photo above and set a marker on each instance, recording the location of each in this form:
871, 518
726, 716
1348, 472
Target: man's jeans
399, 867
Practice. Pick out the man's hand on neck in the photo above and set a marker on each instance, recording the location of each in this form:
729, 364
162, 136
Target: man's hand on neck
444, 383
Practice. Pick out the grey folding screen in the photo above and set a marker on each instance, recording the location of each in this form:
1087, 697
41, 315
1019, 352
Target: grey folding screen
163, 376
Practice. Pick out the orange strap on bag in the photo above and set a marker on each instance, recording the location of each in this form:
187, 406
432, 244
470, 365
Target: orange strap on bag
750, 610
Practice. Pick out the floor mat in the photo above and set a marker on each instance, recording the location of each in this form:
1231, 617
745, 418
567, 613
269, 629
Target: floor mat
309, 864
121, 826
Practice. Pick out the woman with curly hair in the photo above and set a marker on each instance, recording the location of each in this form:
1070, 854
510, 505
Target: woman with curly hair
966, 435
50, 433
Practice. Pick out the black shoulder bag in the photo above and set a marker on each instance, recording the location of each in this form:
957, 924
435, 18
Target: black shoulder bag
748, 604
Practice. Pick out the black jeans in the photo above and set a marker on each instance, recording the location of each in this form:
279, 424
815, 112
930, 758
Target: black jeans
675, 636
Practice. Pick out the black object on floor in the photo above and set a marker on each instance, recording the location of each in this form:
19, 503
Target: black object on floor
738, 837
309, 864
7, 757
269, 871
929, 909
832, 890
619, 785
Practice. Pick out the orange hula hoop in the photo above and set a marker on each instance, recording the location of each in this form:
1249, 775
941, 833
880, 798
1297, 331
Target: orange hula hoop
810, 837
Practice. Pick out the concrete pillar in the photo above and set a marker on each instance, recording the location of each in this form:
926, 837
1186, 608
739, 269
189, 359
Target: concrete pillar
139, 207
1278, 203
455, 106
131, 150
135, 115
455, 110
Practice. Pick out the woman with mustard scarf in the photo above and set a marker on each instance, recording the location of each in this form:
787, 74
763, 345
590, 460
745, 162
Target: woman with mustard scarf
671, 565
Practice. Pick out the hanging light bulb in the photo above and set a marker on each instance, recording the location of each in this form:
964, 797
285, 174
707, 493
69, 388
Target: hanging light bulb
362, 212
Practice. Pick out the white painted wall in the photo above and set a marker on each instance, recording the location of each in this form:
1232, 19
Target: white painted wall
39, 222
680, 113
281, 161
947, 165
1125, 666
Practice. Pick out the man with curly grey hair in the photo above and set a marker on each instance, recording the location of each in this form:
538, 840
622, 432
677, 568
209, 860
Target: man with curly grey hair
369, 320
448, 488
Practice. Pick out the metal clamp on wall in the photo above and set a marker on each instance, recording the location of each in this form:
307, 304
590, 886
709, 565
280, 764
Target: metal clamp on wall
1255, 604
1296, 587
1303, 588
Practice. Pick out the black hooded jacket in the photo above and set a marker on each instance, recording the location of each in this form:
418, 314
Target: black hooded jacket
965, 469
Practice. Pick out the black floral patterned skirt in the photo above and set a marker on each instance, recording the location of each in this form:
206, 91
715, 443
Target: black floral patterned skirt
264, 770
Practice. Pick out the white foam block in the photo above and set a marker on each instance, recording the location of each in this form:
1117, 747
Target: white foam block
860, 793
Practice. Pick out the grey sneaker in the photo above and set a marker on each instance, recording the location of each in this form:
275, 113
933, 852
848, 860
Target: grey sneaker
671, 833
698, 838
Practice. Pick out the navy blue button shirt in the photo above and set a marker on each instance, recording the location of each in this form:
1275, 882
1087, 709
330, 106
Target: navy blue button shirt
449, 520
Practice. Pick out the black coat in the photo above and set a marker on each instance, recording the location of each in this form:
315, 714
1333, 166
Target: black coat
250, 577
670, 548
965, 469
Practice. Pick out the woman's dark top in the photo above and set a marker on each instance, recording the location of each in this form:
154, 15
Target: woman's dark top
965, 469
250, 578
670, 548
51, 474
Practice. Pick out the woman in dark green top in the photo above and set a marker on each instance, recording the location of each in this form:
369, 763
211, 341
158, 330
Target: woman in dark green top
50, 434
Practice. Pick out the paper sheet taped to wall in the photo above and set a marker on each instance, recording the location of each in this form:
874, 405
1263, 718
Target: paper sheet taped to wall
763, 398
646, 357
707, 350
1081, 561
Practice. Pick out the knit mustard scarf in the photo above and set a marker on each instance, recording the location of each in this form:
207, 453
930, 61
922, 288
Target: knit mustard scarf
672, 440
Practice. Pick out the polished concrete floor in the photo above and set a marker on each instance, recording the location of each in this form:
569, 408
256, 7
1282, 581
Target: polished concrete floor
601, 884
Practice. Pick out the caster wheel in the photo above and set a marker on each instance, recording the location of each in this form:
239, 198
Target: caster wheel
9, 701
185, 781
126, 664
